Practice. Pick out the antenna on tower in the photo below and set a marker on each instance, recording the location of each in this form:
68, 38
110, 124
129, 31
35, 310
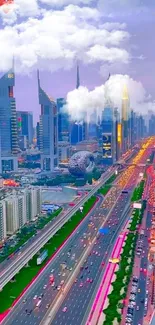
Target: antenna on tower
38, 78
78, 77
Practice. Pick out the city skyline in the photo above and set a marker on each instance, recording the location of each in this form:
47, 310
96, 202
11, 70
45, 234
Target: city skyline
130, 38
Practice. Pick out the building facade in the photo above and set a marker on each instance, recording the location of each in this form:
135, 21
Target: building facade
48, 131
25, 128
108, 135
18, 208
8, 123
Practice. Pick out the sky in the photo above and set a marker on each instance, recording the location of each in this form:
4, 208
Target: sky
104, 36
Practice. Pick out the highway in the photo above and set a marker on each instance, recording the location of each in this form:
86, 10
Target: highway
79, 299
71, 254
77, 243
10, 267
142, 295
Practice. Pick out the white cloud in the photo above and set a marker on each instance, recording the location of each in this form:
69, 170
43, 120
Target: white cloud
59, 38
22, 8
113, 26
82, 100
102, 53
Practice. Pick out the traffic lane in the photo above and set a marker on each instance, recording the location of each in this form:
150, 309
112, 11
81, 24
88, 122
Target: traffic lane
83, 229
80, 296
139, 314
38, 294
46, 229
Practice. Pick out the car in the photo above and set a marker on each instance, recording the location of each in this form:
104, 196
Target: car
63, 274
70, 269
59, 273
47, 306
53, 284
139, 290
64, 309
45, 286
24, 301
91, 281
88, 280
81, 285
35, 297
141, 270
75, 281
137, 308
62, 282
58, 288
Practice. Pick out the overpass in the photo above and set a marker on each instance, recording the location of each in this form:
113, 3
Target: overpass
19, 261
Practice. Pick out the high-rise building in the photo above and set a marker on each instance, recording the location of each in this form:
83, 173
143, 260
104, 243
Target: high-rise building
63, 121
48, 130
25, 128
2, 221
18, 208
151, 130
126, 120
108, 135
8, 123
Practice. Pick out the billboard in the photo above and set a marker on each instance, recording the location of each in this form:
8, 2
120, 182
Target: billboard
107, 142
42, 257
137, 205
119, 133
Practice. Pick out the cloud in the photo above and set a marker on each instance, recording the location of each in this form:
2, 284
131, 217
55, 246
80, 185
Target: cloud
58, 38
20, 8
81, 101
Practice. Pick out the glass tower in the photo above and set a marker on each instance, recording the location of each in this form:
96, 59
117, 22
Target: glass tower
48, 131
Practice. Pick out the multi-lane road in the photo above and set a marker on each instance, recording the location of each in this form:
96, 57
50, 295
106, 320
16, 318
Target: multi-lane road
9, 268
142, 294
71, 254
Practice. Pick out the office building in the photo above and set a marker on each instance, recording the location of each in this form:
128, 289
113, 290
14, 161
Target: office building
63, 121
8, 123
48, 131
151, 129
108, 134
2, 221
64, 151
25, 129
126, 121
79, 129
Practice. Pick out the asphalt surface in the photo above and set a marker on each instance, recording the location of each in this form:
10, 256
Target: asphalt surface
9, 267
142, 283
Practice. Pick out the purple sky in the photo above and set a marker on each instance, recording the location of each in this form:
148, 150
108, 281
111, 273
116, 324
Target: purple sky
140, 23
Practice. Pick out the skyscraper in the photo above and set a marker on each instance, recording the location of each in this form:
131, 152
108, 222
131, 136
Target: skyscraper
108, 134
48, 130
126, 120
63, 121
8, 123
25, 126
